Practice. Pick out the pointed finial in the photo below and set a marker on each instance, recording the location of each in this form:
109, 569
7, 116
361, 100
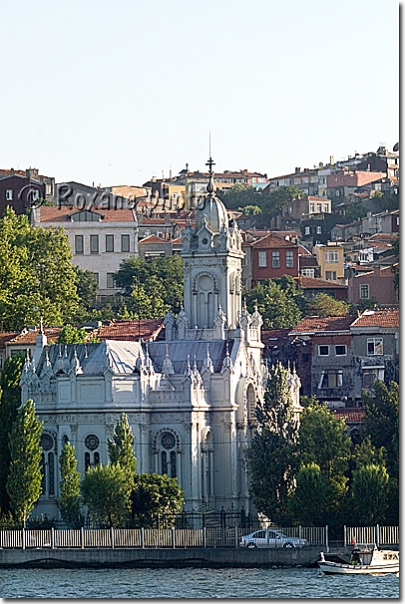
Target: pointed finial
86, 351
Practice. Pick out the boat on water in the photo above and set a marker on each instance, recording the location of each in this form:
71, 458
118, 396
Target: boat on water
363, 562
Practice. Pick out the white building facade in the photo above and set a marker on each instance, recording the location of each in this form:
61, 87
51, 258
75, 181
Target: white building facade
190, 400
100, 239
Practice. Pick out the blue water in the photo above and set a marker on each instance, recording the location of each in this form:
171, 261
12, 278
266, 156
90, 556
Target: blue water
192, 583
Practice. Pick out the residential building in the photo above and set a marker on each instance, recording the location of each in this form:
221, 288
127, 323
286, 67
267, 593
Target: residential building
330, 257
311, 287
306, 180
342, 183
20, 192
158, 247
331, 360
303, 208
383, 222
375, 348
33, 176
273, 257
99, 239
378, 283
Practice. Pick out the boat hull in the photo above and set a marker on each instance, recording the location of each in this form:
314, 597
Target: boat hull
333, 568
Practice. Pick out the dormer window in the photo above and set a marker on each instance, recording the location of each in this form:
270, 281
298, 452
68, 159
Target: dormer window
86, 216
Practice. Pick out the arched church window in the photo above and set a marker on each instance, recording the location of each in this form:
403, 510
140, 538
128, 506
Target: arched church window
251, 403
87, 463
164, 462
51, 466
65, 440
168, 454
91, 456
48, 464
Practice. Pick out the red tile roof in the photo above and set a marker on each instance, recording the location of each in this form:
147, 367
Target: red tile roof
29, 337
273, 241
312, 283
153, 239
323, 324
129, 330
384, 317
56, 214
382, 237
269, 336
351, 415
6, 336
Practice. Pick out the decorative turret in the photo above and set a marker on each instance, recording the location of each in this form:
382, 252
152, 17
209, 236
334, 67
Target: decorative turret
167, 367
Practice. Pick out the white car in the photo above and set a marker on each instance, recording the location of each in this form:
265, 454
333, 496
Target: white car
270, 538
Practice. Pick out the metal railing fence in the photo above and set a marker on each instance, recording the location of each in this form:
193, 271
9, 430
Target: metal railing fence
370, 535
180, 537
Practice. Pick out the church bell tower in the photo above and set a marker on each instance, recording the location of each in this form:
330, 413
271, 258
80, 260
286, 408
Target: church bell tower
212, 255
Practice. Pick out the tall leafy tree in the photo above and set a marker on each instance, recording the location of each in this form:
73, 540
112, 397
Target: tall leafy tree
156, 498
10, 400
309, 499
272, 451
106, 493
381, 421
37, 277
323, 440
25, 477
241, 196
120, 448
69, 500
151, 287
277, 306
370, 493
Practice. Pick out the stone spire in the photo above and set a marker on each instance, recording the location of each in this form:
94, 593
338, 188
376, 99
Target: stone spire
167, 367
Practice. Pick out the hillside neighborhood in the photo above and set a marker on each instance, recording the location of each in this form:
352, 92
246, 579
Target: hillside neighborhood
300, 269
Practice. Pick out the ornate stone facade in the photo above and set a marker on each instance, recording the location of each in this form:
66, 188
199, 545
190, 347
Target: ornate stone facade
190, 400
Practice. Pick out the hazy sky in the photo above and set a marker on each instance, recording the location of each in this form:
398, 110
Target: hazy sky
116, 91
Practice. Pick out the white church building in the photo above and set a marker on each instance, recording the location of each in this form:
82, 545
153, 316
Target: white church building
190, 400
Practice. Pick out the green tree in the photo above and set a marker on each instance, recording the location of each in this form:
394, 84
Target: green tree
272, 451
271, 205
10, 400
106, 493
310, 497
277, 306
37, 277
240, 196
323, 305
151, 287
156, 497
72, 335
147, 301
69, 500
323, 440
25, 477
353, 212
250, 210
381, 421
370, 492
120, 448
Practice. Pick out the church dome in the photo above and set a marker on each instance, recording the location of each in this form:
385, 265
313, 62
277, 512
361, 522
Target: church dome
211, 212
